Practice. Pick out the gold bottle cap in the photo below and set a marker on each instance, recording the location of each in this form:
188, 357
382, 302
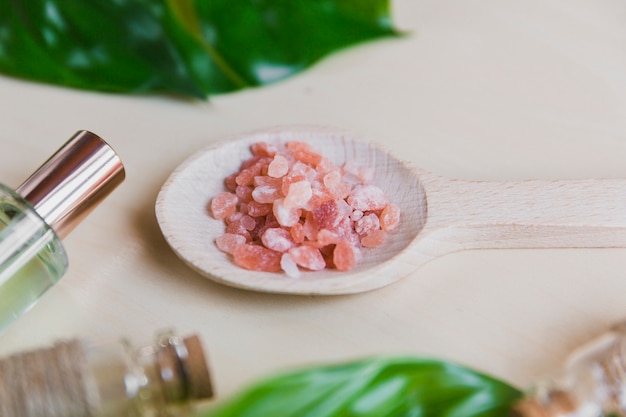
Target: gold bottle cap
69, 185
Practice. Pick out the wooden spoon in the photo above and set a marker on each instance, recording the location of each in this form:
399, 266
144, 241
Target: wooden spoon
439, 215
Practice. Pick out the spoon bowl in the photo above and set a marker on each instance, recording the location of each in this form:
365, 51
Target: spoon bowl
439, 215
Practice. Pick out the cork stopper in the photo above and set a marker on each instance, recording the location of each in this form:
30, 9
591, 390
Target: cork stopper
183, 370
199, 376
557, 403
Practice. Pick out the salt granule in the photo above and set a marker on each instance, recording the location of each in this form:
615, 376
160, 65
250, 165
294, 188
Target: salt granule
229, 241
256, 209
308, 257
263, 149
366, 224
289, 266
257, 258
297, 233
277, 239
390, 217
286, 216
248, 222
356, 215
289, 207
278, 167
374, 238
265, 194
223, 205
326, 237
367, 198
343, 256
299, 194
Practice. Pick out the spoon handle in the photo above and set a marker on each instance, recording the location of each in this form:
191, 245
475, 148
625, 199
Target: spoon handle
528, 214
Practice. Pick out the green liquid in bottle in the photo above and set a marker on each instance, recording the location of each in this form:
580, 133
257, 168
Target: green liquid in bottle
32, 258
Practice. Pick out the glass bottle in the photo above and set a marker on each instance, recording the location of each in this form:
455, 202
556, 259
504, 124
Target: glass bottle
592, 383
43, 210
75, 378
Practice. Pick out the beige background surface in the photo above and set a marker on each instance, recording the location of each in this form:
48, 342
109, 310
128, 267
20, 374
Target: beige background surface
479, 90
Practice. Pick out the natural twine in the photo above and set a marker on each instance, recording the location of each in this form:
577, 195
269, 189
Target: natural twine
48, 382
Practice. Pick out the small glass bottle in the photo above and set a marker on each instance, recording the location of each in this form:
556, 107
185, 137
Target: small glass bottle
77, 379
43, 210
592, 383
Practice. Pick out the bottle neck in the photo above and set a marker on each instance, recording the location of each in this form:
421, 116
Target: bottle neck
162, 379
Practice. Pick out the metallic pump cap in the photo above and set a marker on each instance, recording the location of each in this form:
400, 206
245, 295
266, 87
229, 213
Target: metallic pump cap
73, 181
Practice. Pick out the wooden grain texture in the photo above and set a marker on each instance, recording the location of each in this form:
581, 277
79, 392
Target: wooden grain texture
439, 215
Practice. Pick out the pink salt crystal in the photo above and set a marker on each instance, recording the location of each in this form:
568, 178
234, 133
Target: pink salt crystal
342, 191
325, 165
343, 256
266, 180
304, 152
297, 233
289, 266
345, 230
277, 239
290, 179
307, 257
230, 182
286, 216
300, 168
326, 237
320, 195
310, 227
278, 167
233, 217
246, 175
257, 258
270, 221
255, 160
299, 194
263, 223
256, 209
237, 228
332, 179
263, 149
228, 242
311, 158
390, 217
294, 145
356, 215
248, 222
367, 198
244, 193
373, 238
223, 205
329, 214
366, 224
265, 194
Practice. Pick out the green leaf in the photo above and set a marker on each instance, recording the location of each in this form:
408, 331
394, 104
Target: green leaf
381, 387
186, 47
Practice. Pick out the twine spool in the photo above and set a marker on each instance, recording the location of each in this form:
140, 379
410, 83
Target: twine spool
49, 382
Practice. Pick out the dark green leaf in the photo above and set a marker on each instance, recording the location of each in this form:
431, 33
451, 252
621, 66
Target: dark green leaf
383, 387
188, 47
